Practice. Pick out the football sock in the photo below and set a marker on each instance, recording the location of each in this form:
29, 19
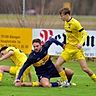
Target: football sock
93, 77
1, 76
69, 79
35, 84
54, 84
63, 75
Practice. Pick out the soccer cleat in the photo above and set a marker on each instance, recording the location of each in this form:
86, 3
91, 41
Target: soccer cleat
65, 84
59, 82
93, 77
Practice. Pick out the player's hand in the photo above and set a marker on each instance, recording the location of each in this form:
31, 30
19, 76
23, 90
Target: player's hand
16, 80
79, 46
17, 83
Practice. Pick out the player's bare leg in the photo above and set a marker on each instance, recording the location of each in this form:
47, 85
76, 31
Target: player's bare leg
85, 68
3, 69
62, 74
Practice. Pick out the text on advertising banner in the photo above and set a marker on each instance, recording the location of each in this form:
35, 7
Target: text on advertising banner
18, 37
60, 34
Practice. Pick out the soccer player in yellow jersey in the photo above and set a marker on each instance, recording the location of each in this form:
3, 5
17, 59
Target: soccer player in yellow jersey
17, 57
76, 35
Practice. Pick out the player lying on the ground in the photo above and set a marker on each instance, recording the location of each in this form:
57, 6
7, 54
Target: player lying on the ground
44, 67
18, 58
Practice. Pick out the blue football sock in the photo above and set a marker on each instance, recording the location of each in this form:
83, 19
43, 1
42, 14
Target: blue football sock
54, 84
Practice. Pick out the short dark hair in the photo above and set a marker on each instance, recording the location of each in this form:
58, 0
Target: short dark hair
37, 41
64, 11
3, 48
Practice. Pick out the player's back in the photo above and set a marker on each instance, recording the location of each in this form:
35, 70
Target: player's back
18, 57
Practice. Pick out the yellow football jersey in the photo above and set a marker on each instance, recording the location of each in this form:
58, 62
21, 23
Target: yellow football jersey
18, 57
75, 33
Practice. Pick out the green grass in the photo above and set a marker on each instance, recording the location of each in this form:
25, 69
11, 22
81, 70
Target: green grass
45, 21
85, 86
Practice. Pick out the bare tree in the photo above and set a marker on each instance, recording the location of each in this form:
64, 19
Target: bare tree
79, 7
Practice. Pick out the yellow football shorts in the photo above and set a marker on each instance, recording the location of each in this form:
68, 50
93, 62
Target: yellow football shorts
72, 52
14, 70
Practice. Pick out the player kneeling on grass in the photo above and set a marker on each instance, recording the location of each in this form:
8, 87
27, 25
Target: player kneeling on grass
17, 57
44, 67
45, 81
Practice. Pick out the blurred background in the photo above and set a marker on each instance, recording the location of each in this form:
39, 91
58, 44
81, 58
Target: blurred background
46, 7
44, 13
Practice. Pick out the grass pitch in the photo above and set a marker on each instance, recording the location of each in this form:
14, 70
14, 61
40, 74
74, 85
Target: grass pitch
43, 21
85, 86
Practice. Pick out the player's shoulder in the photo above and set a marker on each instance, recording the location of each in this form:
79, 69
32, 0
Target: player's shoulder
10, 49
74, 20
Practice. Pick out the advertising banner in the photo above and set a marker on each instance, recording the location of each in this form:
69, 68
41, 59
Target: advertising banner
18, 37
60, 35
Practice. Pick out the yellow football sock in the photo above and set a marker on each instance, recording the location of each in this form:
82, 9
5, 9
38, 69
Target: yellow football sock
93, 77
1, 76
63, 75
35, 84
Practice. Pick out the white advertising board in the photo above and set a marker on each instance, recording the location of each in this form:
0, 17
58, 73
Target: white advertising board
59, 34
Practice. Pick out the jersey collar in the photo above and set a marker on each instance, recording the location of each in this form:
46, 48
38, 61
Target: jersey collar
69, 19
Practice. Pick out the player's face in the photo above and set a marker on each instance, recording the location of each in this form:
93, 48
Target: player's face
37, 46
63, 17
